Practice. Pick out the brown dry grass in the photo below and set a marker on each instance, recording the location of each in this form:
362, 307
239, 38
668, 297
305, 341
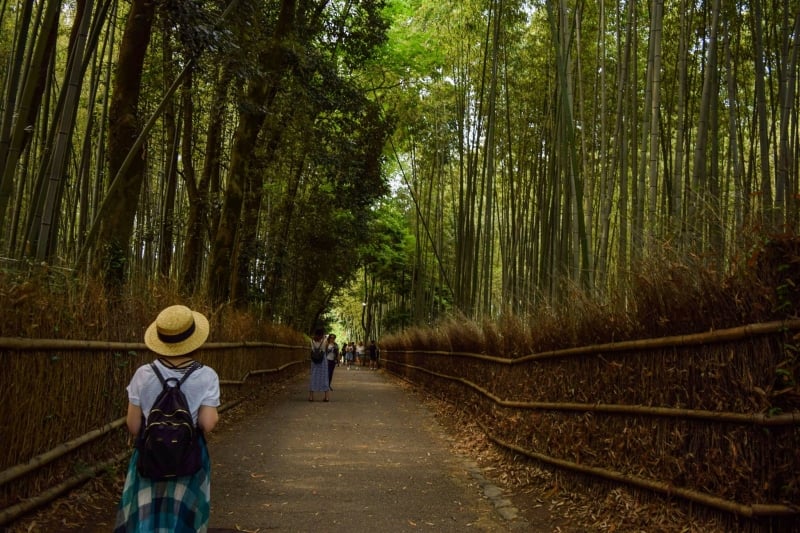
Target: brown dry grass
45, 303
666, 296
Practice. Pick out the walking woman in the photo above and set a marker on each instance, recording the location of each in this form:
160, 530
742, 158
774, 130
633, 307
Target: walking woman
319, 368
332, 355
181, 503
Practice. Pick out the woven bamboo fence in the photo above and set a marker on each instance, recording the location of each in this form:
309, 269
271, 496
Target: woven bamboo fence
64, 404
707, 419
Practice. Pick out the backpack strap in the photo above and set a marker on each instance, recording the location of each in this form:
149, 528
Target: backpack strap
158, 373
194, 366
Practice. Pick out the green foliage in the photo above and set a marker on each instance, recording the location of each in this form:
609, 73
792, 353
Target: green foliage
411, 50
385, 265
195, 25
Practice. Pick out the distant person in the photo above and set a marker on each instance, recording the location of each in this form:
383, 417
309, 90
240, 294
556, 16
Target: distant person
319, 369
181, 503
373, 355
359, 352
332, 355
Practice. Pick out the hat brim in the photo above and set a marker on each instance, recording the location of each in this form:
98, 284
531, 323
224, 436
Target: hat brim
173, 349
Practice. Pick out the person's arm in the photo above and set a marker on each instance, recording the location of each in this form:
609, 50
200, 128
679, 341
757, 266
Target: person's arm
207, 418
134, 419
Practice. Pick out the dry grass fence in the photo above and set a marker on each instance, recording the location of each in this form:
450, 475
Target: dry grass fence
64, 403
705, 418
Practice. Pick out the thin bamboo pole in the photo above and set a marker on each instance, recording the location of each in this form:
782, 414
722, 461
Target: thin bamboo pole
758, 419
25, 344
59, 451
654, 485
710, 337
753, 510
10, 513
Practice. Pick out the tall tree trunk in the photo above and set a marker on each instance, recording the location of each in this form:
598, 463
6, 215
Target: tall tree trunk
94, 129
82, 45
735, 160
116, 226
173, 140
487, 246
10, 93
626, 109
677, 181
259, 97
198, 226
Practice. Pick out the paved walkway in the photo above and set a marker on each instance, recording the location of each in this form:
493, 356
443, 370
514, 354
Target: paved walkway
372, 459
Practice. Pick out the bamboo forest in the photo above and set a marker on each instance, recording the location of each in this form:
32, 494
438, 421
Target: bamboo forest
397, 160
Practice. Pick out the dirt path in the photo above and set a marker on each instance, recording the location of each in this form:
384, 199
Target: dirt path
374, 458
380, 456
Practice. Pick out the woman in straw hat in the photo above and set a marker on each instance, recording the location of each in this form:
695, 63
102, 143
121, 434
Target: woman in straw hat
180, 503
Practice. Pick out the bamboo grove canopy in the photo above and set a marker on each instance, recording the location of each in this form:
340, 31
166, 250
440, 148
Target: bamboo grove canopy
397, 158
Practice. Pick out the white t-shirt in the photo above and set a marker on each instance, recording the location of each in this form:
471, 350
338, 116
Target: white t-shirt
331, 350
200, 388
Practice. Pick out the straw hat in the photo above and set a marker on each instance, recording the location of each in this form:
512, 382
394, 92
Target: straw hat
177, 330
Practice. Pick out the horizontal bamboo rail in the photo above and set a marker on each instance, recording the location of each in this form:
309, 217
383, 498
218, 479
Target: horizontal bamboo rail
654, 485
244, 379
713, 337
667, 489
62, 449
25, 344
39, 461
10, 513
758, 419
710, 337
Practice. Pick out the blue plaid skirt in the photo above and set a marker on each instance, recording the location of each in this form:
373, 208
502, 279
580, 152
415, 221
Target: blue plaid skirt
181, 505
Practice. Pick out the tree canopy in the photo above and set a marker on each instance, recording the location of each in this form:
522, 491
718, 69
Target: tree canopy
392, 159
